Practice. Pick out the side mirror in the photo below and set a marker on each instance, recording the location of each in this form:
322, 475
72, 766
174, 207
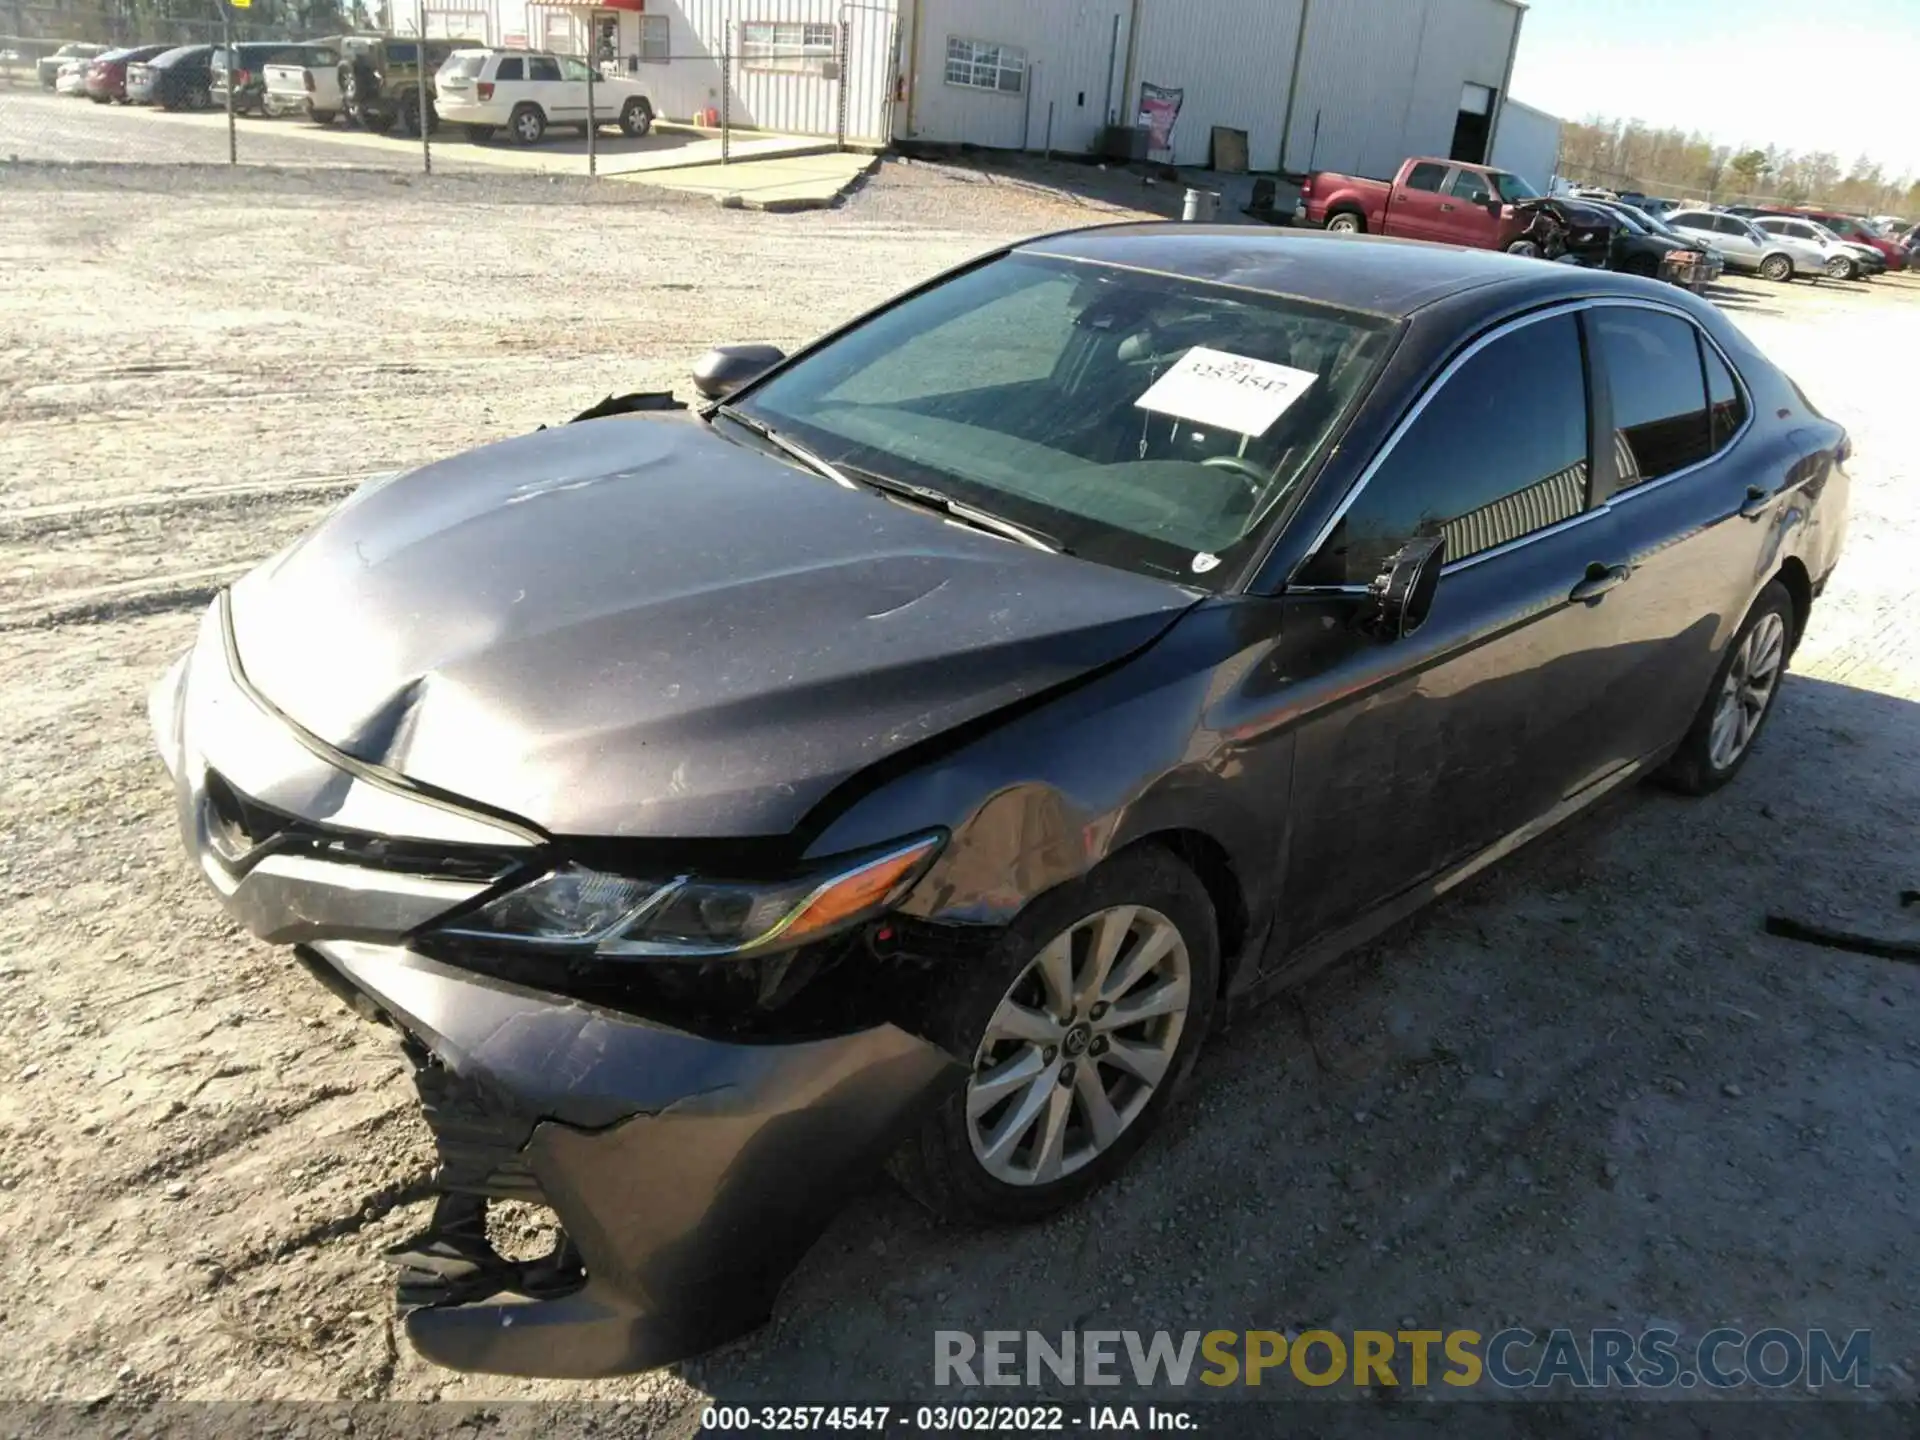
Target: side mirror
1401, 595
725, 368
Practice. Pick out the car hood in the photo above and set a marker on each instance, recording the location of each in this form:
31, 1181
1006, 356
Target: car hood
634, 627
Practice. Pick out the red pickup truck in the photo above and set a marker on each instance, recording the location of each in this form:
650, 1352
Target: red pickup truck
1441, 200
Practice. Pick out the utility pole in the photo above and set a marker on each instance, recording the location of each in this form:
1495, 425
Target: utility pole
226, 51
420, 80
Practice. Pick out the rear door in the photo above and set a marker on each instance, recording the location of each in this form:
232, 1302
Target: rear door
1413, 207
1469, 213
1413, 755
547, 90
1675, 469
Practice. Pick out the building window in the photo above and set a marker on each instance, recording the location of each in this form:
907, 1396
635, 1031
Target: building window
765, 45
983, 66
557, 33
656, 45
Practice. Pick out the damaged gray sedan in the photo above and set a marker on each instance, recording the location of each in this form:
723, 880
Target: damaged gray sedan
904, 758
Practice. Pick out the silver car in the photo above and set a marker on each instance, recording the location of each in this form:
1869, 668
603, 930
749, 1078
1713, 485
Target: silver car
1845, 259
1774, 257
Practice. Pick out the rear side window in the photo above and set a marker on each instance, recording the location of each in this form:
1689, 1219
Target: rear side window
1499, 451
1426, 177
1652, 364
542, 67
464, 65
1727, 407
511, 69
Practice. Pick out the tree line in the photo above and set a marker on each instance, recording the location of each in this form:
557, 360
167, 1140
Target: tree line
1627, 154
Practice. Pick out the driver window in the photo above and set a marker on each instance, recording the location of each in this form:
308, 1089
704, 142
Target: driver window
1468, 185
1499, 451
572, 69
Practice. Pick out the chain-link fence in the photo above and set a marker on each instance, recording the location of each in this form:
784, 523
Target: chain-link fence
549, 87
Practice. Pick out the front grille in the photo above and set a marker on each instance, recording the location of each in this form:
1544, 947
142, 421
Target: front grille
242, 830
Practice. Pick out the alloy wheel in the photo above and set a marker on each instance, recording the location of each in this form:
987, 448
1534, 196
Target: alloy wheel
1077, 1046
1747, 690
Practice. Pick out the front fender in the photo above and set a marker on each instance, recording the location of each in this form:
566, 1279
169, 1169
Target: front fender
1147, 749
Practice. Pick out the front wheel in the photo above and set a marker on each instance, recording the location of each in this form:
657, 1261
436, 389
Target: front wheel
1079, 1029
320, 117
1739, 700
1840, 268
1777, 268
636, 119
1347, 223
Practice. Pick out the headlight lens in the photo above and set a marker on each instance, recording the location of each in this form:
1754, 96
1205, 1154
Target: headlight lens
574, 907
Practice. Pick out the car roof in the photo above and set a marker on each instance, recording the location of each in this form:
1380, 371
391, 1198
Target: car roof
182, 52
1355, 272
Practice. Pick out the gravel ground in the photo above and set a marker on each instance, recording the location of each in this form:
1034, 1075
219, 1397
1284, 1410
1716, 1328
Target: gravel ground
1585, 1089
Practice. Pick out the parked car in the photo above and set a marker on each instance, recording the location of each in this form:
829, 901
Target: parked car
250, 60
1642, 246
48, 67
1561, 228
1428, 200
929, 748
527, 91
1845, 260
1857, 231
379, 84
107, 73
72, 79
309, 84
1775, 257
178, 79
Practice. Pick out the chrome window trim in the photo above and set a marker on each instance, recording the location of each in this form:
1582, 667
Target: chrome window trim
1453, 366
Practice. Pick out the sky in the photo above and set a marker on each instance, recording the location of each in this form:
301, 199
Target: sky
1803, 76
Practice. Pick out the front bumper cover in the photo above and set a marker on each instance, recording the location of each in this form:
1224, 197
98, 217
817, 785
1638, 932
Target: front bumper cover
688, 1174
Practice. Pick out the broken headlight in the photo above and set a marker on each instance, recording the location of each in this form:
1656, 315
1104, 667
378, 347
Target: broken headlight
574, 908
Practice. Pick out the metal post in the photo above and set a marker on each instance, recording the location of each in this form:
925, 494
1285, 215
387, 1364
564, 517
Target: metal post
593, 65
1113, 54
726, 97
226, 38
420, 80
1049, 152
844, 49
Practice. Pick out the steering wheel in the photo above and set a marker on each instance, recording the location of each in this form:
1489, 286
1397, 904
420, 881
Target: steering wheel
1255, 477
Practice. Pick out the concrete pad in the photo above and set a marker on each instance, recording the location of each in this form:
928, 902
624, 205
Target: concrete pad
787, 182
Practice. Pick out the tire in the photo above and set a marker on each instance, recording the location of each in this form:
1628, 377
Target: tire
527, 124
1641, 265
1704, 763
636, 119
1347, 222
101, 99
1778, 268
1153, 895
480, 134
320, 117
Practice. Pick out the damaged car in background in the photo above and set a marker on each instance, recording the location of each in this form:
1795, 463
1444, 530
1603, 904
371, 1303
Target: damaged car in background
907, 756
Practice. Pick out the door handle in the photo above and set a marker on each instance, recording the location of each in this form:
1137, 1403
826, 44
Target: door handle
1759, 500
1445, 206
1600, 579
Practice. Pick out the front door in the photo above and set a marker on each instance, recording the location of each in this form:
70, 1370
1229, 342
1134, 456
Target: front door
1414, 754
1469, 211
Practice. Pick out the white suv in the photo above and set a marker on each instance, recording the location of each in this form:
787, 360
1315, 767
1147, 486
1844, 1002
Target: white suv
529, 90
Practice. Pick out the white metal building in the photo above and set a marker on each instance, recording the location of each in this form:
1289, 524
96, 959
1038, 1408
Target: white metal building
1313, 84
1528, 144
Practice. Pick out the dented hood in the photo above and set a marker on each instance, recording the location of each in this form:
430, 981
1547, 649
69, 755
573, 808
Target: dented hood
638, 628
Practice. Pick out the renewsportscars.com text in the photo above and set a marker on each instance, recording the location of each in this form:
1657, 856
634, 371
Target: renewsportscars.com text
1512, 1359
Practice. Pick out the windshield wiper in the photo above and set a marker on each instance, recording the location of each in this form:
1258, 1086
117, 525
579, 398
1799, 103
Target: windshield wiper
780, 442
966, 514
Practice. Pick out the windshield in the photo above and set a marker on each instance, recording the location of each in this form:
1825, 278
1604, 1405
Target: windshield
1145, 421
1512, 187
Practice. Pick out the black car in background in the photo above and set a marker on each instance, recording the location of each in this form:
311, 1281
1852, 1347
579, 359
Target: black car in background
176, 79
912, 754
1644, 246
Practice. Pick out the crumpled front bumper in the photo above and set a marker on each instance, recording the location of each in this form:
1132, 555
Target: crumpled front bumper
688, 1174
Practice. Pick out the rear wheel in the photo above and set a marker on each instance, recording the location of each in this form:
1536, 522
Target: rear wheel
1777, 267
636, 118
527, 124
320, 117
1739, 700
1080, 1028
1347, 222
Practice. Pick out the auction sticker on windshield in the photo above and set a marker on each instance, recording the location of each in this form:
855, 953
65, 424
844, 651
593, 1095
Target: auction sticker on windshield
1234, 392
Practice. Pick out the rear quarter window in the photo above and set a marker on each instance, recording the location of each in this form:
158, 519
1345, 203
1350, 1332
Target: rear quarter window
465, 65
1653, 370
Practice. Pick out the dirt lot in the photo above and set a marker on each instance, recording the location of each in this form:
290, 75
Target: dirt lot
1584, 1090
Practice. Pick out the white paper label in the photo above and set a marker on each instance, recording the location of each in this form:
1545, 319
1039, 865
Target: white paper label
1233, 392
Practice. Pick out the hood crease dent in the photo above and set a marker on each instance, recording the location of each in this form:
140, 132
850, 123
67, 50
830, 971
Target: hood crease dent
633, 627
